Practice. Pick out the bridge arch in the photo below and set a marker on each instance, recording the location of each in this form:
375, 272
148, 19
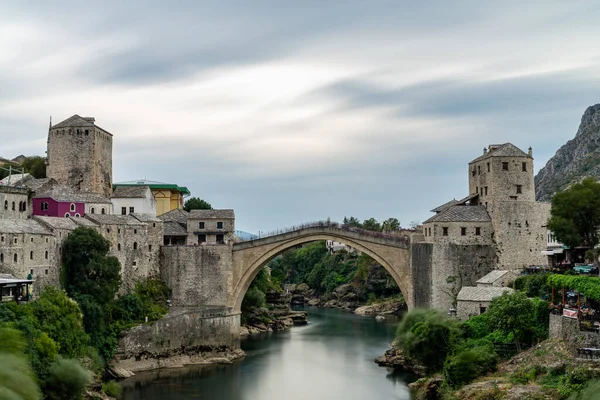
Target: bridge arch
250, 257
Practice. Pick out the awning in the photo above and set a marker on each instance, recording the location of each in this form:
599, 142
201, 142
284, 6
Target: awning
547, 252
557, 251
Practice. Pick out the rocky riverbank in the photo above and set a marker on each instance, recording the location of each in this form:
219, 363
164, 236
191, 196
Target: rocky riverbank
277, 316
348, 297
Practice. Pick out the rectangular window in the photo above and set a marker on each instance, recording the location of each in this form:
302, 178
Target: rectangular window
429, 231
479, 170
123, 210
477, 189
477, 231
482, 310
445, 231
220, 239
219, 225
131, 210
519, 189
524, 166
485, 190
201, 225
201, 238
463, 231
473, 172
505, 166
488, 166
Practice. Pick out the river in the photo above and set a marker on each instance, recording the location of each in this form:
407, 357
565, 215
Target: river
331, 358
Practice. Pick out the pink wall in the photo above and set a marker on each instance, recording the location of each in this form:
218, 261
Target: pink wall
56, 208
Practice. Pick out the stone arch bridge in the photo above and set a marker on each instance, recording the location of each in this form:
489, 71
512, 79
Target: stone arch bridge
391, 251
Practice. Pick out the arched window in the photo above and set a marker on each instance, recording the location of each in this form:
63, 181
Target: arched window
103, 211
6, 204
15, 257
72, 207
135, 245
77, 215
46, 255
31, 255
67, 215
13, 206
92, 210
24, 206
1, 257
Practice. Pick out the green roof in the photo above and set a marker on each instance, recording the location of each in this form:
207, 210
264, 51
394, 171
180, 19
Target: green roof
154, 185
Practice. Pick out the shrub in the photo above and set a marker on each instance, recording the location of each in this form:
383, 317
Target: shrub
112, 389
428, 336
67, 380
253, 298
589, 392
16, 376
468, 364
574, 381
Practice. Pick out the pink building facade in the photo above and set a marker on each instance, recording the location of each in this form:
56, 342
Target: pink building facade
47, 206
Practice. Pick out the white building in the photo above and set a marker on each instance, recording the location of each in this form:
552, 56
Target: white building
133, 199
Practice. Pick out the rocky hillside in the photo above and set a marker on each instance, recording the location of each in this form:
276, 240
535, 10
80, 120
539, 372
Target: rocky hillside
578, 158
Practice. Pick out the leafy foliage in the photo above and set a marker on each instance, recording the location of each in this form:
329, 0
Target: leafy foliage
469, 363
35, 165
87, 270
428, 336
112, 389
254, 298
371, 224
588, 285
60, 318
16, 377
575, 214
535, 285
195, 203
67, 380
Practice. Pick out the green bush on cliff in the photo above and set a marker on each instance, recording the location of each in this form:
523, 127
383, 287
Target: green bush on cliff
254, 298
469, 363
67, 380
428, 336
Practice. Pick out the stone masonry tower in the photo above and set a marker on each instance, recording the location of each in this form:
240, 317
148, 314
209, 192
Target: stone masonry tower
80, 155
503, 180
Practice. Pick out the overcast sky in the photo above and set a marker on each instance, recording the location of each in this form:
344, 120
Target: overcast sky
293, 111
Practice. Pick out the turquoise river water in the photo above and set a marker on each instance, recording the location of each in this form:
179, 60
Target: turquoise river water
331, 359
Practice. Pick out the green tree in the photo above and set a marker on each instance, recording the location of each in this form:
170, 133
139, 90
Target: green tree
352, 221
390, 225
575, 214
195, 203
87, 270
469, 363
371, 224
428, 336
60, 318
16, 377
512, 314
35, 165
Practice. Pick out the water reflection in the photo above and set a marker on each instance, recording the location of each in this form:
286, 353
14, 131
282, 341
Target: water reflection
331, 358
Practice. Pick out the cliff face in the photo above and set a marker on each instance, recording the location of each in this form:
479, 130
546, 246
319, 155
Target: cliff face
577, 159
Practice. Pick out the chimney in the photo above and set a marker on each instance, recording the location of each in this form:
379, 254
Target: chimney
484, 151
530, 152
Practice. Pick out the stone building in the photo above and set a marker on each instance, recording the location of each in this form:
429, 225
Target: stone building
80, 155
134, 239
62, 201
502, 179
27, 247
497, 278
175, 227
474, 300
14, 202
211, 227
